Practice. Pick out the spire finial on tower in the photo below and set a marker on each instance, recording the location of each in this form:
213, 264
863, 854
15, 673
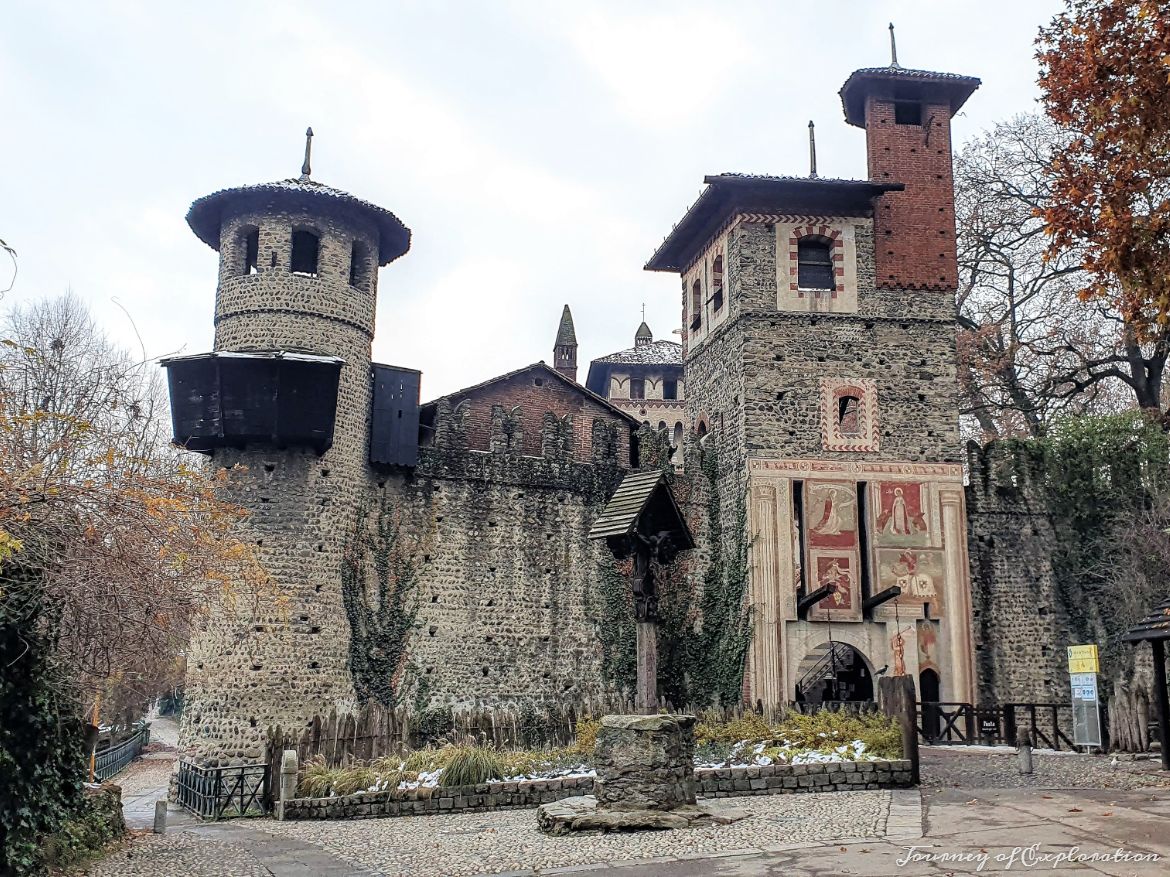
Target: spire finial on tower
812, 149
893, 48
305, 168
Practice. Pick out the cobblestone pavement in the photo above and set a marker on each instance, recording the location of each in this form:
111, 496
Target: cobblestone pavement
179, 854
488, 843
973, 768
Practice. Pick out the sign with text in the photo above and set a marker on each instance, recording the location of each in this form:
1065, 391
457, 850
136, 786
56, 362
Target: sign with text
1086, 709
1083, 659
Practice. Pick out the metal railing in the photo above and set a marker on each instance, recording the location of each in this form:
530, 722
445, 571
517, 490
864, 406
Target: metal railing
110, 762
223, 792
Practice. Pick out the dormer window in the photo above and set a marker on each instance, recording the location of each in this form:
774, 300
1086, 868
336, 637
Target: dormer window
306, 248
717, 283
814, 261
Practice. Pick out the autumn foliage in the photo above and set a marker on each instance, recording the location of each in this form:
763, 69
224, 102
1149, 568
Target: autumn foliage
1105, 76
110, 540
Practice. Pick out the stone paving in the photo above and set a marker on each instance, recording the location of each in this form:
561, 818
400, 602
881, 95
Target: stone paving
975, 767
971, 800
486, 843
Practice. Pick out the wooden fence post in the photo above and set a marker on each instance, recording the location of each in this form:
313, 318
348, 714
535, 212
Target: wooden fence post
898, 700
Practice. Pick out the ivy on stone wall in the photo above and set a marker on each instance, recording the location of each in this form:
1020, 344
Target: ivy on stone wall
41, 738
1100, 478
380, 591
704, 629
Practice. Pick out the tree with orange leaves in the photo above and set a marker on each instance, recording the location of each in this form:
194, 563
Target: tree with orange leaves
1105, 76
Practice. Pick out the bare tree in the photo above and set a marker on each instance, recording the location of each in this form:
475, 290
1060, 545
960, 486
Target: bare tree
107, 535
1030, 349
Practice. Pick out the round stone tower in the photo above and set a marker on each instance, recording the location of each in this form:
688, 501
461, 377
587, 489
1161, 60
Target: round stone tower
286, 394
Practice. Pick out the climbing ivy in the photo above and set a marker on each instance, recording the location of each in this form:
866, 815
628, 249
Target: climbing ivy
41, 737
380, 591
704, 628
1098, 477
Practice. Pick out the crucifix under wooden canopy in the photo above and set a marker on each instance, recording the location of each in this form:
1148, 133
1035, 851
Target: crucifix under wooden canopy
1154, 628
642, 520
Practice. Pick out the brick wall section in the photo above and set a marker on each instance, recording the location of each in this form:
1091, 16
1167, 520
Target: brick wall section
1020, 622
521, 391
915, 228
783, 779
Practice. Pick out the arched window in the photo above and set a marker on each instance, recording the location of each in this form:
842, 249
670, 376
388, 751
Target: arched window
814, 258
849, 415
678, 433
250, 244
359, 266
661, 425
696, 304
306, 248
717, 283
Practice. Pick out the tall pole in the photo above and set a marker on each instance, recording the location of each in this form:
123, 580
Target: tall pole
1163, 700
96, 722
812, 149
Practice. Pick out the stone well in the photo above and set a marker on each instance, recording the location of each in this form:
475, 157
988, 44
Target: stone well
645, 780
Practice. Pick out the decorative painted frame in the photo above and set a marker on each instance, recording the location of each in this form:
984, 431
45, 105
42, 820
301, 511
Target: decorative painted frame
867, 437
842, 233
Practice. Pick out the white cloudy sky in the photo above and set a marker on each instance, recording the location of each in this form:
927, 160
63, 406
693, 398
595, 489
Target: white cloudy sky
539, 151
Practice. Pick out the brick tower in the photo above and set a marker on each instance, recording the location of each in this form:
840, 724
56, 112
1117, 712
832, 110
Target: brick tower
819, 358
286, 393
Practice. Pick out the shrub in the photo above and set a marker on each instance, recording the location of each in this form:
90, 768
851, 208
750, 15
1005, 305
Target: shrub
586, 739
469, 765
749, 726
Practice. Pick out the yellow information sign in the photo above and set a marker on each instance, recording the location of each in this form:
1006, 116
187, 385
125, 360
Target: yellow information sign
1083, 659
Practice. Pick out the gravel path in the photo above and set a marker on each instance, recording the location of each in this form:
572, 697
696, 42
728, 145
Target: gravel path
486, 843
944, 767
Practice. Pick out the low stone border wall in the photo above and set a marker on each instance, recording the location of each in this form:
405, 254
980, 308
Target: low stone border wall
723, 782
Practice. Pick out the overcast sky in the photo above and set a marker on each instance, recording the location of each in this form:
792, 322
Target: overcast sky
539, 151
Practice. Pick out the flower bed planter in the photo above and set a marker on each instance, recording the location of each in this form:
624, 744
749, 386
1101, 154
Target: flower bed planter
774, 779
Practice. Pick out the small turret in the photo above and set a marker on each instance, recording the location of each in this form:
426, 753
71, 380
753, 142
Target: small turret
565, 349
643, 336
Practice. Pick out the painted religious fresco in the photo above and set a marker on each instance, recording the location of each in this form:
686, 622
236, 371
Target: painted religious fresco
830, 515
918, 572
927, 645
904, 514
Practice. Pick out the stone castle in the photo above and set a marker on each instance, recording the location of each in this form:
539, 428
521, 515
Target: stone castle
438, 553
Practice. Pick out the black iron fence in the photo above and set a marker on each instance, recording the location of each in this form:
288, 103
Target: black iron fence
224, 792
110, 761
947, 723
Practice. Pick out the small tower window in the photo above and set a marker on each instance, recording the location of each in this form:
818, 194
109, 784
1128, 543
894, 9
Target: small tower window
696, 304
717, 284
251, 245
814, 256
359, 266
669, 389
907, 112
849, 415
637, 388
306, 248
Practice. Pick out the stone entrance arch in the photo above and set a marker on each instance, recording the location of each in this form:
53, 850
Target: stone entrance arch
834, 672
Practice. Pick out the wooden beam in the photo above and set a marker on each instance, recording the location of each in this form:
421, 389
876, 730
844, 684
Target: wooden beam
875, 600
807, 602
